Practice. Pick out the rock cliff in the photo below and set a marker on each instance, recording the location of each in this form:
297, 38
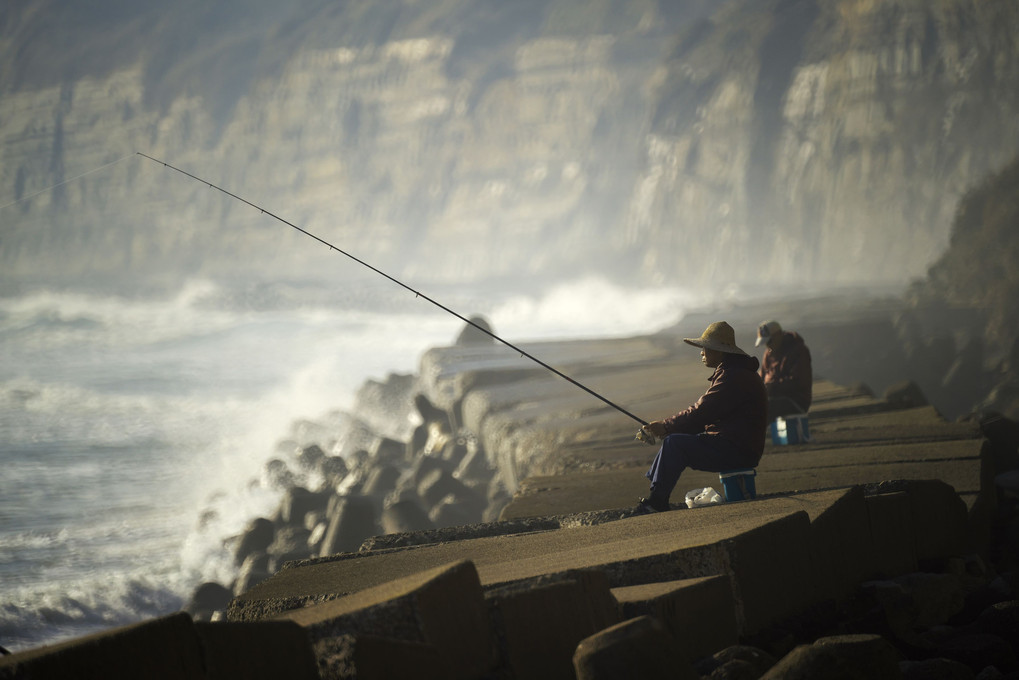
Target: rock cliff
787, 141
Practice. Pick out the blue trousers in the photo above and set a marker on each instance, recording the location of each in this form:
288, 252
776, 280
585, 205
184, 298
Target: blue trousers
707, 452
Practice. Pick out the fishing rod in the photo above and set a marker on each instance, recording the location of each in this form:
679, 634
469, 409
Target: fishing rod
642, 434
66, 181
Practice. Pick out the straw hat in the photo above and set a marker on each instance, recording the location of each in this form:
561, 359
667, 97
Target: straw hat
718, 336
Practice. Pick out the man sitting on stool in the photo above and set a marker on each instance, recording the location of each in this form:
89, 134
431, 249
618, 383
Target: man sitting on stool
723, 431
786, 370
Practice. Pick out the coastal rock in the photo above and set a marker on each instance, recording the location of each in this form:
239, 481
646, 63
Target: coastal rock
299, 501
736, 662
452, 511
435, 486
276, 474
381, 481
333, 470
1001, 619
848, 657
256, 538
389, 452
351, 522
638, 648
208, 597
905, 394
290, 543
405, 516
255, 569
935, 669
476, 332
310, 457
979, 650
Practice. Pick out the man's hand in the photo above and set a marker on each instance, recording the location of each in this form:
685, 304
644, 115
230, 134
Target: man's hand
651, 431
656, 427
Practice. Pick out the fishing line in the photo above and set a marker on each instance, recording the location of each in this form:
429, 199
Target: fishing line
60, 184
417, 293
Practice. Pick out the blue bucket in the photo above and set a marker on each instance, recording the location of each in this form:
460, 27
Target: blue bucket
739, 485
793, 429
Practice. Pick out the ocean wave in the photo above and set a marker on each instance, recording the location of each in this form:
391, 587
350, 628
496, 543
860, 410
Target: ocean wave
45, 618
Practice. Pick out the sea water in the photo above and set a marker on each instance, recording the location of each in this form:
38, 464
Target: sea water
123, 419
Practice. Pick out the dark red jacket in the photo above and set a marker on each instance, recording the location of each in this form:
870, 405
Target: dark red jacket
787, 372
735, 407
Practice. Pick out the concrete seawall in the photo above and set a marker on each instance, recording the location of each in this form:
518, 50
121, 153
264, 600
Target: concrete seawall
569, 579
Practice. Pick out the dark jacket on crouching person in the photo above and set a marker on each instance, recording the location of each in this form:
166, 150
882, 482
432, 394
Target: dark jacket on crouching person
787, 372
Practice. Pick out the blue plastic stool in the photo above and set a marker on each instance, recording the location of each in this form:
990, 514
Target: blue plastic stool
739, 485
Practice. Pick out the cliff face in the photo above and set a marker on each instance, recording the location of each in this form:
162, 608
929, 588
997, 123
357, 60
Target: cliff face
685, 143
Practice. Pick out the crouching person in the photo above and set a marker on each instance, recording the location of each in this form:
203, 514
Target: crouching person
724, 430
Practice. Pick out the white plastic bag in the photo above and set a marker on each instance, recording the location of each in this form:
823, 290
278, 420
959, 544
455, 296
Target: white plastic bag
705, 496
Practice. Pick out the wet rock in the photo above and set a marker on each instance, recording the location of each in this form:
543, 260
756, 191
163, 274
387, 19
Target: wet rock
256, 538
638, 648
423, 466
847, 657
333, 470
351, 522
964, 382
209, 597
473, 469
381, 481
1001, 619
905, 394
473, 334
452, 511
310, 457
316, 536
316, 517
934, 598
254, 570
438, 484
454, 451
428, 411
291, 543
405, 516
299, 501
736, 669
386, 406
979, 650
736, 662
277, 475
935, 669
390, 452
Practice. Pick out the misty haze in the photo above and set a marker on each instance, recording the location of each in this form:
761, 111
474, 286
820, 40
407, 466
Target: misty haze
567, 169
774, 143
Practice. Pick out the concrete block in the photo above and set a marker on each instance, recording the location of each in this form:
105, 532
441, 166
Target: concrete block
442, 607
840, 545
166, 648
771, 571
699, 613
856, 657
265, 650
351, 522
637, 648
891, 528
368, 657
538, 623
940, 521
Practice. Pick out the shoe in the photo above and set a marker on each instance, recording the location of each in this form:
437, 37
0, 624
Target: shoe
646, 507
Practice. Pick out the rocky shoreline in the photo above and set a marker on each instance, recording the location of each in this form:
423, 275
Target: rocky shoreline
461, 491
419, 453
